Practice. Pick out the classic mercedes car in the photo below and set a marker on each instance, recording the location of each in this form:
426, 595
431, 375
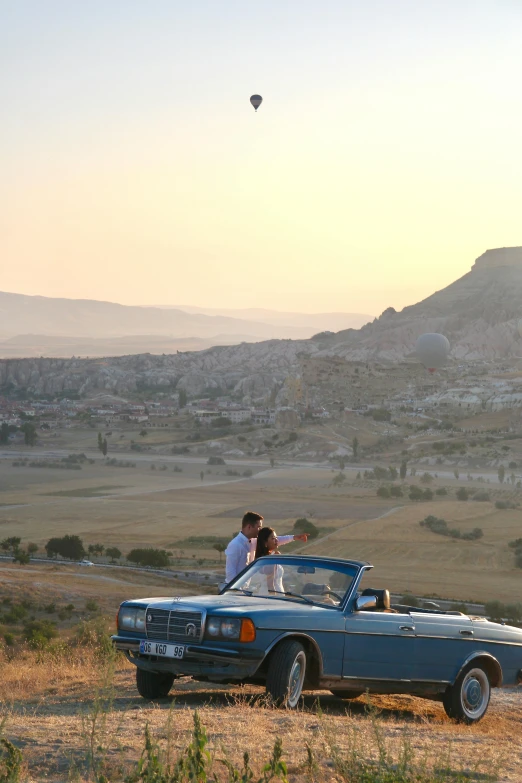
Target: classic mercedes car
292, 622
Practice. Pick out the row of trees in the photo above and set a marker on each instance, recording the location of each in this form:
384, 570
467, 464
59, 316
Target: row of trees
29, 430
12, 545
440, 526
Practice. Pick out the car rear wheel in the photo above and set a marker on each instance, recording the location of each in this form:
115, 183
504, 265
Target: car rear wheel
467, 700
286, 673
347, 694
152, 685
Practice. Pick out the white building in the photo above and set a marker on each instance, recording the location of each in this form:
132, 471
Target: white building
237, 416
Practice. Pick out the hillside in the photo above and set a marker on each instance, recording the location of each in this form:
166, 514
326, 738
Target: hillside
43, 326
481, 314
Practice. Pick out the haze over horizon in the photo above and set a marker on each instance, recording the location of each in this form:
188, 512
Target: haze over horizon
383, 160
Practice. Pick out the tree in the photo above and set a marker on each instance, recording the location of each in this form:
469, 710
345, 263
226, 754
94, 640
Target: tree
30, 434
104, 447
182, 397
69, 547
403, 469
501, 474
143, 433
21, 557
157, 558
10, 544
4, 433
100, 442
415, 493
32, 548
456, 474
113, 552
202, 475
272, 462
303, 525
462, 494
219, 548
355, 448
96, 549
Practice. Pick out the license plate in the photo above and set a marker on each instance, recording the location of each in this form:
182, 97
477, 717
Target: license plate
162, 649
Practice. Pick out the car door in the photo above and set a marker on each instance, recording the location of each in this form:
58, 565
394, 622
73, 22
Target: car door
443, 642
379, 646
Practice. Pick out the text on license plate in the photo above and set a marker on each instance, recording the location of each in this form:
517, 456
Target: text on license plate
160, 648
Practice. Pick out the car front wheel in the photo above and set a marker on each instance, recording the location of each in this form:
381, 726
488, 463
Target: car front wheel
286, 673
467, 700
152, 685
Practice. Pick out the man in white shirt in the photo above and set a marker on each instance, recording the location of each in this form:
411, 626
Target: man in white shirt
241, 550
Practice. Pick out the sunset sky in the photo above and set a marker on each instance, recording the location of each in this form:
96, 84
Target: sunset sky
386, 156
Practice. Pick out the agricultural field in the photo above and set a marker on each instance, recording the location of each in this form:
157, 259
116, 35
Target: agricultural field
184, 505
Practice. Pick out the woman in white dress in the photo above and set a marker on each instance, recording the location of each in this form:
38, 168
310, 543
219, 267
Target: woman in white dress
267, 544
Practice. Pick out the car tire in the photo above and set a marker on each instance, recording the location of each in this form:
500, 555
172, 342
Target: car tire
347, 695
286, 673
153, 685
467, 700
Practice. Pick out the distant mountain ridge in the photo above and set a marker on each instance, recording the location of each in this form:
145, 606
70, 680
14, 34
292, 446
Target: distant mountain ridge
481, 314
47, 325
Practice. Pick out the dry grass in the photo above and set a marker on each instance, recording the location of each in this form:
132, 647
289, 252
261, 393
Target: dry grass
51, 709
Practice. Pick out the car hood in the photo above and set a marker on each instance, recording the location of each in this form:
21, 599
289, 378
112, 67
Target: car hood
234, 605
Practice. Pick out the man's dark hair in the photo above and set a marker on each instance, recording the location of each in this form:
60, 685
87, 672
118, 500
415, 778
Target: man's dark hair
250, 518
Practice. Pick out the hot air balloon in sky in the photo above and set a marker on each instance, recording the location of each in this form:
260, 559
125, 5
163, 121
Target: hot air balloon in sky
256, 101
432, 350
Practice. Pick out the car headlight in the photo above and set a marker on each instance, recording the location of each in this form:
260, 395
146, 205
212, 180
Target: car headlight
214, 626
231, 628
131, 618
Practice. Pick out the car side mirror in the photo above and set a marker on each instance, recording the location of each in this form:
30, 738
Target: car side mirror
365, 602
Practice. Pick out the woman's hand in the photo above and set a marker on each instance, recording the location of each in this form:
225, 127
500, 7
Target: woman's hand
301, 537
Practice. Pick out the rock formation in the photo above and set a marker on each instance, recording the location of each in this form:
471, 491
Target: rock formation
481, 315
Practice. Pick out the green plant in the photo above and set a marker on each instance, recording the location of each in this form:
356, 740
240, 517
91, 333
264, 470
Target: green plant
38, 633
303, 525
10, 761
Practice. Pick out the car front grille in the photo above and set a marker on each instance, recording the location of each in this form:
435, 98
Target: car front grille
173, 626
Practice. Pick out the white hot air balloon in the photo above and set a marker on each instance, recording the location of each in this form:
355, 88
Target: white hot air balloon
432, 350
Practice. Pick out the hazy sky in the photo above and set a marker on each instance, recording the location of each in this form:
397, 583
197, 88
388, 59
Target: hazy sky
387, 154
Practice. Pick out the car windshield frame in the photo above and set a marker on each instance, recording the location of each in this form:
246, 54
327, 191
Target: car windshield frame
349, 568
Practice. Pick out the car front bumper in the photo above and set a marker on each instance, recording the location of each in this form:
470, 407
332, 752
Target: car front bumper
199, 660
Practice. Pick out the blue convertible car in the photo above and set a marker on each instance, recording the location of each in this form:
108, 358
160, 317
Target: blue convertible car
293, 623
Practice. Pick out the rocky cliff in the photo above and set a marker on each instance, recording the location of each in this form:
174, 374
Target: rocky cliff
481, 314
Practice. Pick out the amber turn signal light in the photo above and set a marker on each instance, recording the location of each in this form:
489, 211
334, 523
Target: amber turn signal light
248, 631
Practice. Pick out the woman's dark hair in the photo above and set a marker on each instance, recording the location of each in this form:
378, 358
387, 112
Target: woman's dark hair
262, 541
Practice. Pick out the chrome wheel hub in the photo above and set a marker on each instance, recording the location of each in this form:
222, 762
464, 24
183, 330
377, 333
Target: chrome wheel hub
296, 679
475, 692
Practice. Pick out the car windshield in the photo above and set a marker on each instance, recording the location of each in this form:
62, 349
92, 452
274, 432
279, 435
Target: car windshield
287, 578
